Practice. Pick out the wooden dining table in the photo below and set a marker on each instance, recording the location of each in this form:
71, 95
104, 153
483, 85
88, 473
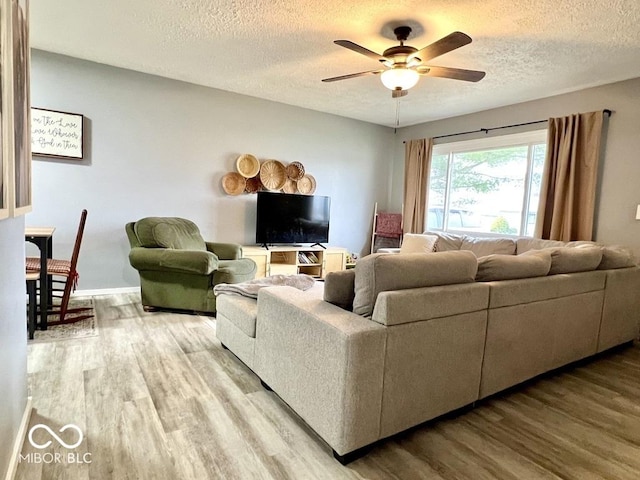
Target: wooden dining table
42, 237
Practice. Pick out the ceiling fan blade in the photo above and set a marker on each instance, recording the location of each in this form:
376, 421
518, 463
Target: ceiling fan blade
359, 49
446, 44
399, 93
353, 75
454, 73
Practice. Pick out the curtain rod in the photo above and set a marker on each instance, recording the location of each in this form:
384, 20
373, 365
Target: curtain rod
606, 111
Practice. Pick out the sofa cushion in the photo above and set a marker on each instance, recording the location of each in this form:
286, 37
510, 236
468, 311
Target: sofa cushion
447, 241
339, 288
570, 260
615, 256
581, 243
417, 243
381, 272
488, 246
525, 244
507, 267
169, 232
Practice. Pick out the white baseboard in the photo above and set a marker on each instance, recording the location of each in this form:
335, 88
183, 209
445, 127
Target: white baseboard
105, 291
22, 434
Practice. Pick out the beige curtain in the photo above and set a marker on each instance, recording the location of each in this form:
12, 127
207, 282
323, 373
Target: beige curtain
417, 164
568, 192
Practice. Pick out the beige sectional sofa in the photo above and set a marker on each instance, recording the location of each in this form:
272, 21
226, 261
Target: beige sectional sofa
403, 339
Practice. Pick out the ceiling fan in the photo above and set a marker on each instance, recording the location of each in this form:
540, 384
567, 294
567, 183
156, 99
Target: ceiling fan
404, 64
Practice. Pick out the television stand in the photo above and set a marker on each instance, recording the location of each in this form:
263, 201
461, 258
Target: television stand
315, 260
318, 244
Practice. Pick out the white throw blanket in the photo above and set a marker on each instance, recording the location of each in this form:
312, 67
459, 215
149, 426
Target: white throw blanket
252, 287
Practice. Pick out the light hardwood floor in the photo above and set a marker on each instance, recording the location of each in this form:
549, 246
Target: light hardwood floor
158, 398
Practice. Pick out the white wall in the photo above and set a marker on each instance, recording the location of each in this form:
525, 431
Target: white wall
13, 336
619, 191
160, 147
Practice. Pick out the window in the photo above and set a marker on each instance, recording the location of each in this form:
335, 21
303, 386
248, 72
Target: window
490, 185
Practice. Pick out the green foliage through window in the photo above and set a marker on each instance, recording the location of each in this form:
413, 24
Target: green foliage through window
491, 185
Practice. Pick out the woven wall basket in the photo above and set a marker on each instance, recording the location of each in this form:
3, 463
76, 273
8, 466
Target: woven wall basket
307, 185
295, 171
253, 185
273, 175
233, 183
247, 165
290, 186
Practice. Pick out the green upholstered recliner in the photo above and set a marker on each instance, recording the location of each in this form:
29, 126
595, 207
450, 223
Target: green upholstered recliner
177, 268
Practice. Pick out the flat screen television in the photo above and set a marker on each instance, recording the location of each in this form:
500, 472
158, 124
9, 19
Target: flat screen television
284, 218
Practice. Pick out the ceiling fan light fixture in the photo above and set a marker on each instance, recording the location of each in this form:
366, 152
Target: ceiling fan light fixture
399, 78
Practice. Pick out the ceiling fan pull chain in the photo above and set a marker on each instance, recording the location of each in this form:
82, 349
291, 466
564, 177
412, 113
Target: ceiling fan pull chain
397, 112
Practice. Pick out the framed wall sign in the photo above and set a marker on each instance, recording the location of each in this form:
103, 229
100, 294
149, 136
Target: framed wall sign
57, 134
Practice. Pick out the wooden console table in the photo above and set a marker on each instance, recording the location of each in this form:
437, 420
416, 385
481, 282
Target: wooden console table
314, 261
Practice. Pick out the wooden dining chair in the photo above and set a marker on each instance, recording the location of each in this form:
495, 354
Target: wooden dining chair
67, 270
32, 285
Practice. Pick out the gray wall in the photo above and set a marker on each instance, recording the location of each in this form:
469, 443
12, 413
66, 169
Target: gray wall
160, 147
13, 336
618, 193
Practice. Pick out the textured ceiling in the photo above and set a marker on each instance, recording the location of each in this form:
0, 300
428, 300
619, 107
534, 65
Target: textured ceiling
281, 49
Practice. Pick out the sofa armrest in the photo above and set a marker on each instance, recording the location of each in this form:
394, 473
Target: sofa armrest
325, 362
169, 260
621, 310
225, 251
